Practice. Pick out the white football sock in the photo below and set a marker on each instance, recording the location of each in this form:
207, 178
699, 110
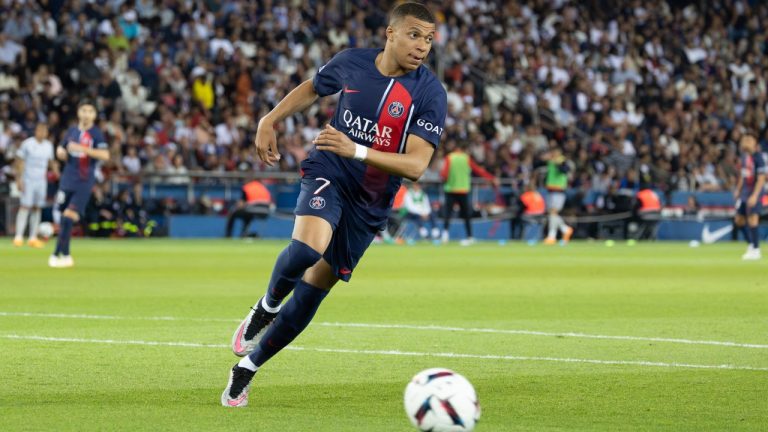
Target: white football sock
553, 225
246, 363
266, 307
21, 222
34, 222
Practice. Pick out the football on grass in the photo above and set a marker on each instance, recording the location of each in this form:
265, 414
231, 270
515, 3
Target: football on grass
440, 400
45, 230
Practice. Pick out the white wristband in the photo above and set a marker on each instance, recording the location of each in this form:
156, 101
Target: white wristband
361, 152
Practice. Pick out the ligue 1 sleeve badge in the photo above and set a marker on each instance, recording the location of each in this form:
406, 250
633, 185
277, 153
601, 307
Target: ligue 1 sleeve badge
317, 202
396, 109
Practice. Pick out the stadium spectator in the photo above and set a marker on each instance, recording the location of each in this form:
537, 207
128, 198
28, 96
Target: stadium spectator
256, 202
530, 211
647, 212
11, 52
692, 206
131, 163
100, 219
178, 170
419, 211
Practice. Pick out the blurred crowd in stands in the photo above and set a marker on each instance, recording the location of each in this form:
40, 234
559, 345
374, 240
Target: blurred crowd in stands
636, 93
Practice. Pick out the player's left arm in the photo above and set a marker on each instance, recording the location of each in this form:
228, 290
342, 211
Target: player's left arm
20, 174
96, 153
410, 164
100, 149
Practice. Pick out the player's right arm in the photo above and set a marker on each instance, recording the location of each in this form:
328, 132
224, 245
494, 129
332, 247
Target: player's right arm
410, 165
61, 153
296, 101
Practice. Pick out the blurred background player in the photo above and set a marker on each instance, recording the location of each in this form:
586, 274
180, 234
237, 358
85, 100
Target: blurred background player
34, 157
556, 183
419, 211
457, 171
256, 202
387, 124
748, 195
83, 146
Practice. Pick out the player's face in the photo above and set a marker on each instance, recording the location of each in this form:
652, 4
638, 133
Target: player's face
41, 132
86, 114
748, 144
411, 39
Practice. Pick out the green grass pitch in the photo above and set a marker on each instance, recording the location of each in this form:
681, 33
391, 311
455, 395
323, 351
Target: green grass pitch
584, 337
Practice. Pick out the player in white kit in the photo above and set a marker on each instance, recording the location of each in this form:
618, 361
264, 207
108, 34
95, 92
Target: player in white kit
33, 159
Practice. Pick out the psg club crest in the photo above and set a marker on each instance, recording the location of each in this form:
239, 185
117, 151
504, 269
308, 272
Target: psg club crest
396, 109
317, 202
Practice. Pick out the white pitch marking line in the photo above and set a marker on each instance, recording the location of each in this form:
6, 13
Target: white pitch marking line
541, 333
113, 317
409, 327
397, 353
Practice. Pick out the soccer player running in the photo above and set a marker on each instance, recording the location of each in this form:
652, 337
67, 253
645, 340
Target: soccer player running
389, 119
33, 159
749, 194
82, 148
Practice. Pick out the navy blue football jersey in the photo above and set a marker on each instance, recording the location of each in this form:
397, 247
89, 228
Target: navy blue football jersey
752, 165
379, 112
80, 169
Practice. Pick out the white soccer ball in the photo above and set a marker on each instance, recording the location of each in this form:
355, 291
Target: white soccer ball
45, 230
440, 400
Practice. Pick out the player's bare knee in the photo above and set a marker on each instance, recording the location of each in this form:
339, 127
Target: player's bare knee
313, 231
321, 276
739, 220
754, 220
71, 214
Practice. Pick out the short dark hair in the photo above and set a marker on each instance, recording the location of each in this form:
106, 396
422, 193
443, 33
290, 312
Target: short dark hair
416, 10
86, 101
